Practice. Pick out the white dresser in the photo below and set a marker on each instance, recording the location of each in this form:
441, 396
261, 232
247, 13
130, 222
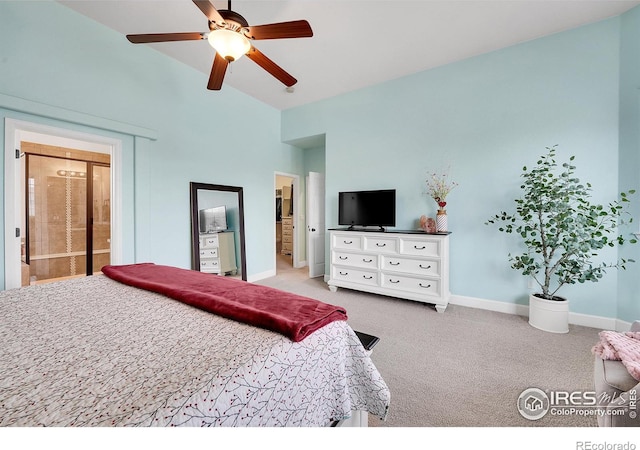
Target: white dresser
218, 253
287, 235
409, 265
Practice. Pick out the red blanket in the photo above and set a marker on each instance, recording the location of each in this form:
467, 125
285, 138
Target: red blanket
289, 314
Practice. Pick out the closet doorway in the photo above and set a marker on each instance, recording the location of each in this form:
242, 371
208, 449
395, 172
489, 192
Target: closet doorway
286, 210
67, 212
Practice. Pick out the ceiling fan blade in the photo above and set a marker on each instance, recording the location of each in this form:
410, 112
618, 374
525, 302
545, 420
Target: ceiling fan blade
218, 70
164, 37
209, 10
260, 59
281, 30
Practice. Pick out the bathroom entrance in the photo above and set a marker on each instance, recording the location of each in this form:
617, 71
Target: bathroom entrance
67, 218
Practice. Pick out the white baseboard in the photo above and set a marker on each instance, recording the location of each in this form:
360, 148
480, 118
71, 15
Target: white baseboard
261, 276
490, 305
585, 320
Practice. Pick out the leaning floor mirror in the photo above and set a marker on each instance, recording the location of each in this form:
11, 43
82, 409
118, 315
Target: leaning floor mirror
217, 230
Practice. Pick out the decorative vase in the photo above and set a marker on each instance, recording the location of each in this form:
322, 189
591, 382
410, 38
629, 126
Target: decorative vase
441, 221
549, 315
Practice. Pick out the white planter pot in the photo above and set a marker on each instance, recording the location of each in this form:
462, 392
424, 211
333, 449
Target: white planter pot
549, 315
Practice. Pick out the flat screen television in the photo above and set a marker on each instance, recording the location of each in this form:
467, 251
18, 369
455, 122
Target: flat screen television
367, 208
213, 219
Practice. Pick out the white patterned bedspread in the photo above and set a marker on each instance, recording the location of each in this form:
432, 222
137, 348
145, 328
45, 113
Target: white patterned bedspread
95, 352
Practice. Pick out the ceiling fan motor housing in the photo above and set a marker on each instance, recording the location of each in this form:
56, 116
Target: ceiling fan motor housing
232, 21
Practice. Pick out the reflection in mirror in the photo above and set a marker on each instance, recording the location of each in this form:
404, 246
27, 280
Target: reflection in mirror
217, 230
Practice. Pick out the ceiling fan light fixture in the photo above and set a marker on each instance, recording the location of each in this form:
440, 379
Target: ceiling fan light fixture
231, 45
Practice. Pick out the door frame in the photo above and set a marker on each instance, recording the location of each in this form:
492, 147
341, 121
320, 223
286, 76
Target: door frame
17, 131
296, 218
321, 230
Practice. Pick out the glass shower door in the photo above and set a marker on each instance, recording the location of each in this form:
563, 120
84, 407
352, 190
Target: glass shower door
57, 224
68, 218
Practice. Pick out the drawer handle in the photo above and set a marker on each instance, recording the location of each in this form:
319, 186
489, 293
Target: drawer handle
344, 258
380, 245
394, 264
367, 260
343, 273
419, 248
348, 242
423, 286
423, 267
367, 277
394, 282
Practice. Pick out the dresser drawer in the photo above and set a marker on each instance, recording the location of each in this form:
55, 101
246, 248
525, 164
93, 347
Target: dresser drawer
354, 260
209, 241
210, 265
354, 275
209, 253
421, 247
347, 241
381, 245
421, 267
410, 284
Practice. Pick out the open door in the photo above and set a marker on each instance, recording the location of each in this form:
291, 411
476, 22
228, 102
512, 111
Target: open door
315, 224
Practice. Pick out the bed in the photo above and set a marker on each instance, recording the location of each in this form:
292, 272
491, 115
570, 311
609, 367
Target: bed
96, 352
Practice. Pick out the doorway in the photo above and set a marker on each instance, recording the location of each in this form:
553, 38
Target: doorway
16, 273
67, 212
285, 214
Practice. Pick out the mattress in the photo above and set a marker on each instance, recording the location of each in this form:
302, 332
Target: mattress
95, 352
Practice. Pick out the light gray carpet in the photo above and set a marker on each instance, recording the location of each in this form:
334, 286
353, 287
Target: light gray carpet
463, 368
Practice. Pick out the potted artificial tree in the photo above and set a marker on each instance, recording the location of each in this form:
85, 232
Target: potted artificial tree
562, 233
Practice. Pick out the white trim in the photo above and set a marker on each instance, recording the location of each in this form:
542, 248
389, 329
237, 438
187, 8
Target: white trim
296, 217
68, 115
585, 320
17, 131
12, 201
261, 276
622, 325
489, 305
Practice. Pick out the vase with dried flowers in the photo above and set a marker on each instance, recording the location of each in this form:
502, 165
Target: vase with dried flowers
438, 187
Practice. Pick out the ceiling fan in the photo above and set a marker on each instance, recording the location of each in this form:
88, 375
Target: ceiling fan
230, 34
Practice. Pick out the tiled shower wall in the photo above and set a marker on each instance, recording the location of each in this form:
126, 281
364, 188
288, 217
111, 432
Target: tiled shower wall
57, 189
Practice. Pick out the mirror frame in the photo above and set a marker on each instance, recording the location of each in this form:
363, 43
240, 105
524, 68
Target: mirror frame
195, 232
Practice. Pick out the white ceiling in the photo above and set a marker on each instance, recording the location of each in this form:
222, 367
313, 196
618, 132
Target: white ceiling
356, 43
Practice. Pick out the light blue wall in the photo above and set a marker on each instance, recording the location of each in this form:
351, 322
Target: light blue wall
220, 137
485, 118
314, 160
629, 280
